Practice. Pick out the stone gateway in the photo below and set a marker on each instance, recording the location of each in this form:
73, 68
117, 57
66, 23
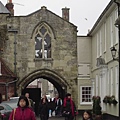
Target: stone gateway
41, 45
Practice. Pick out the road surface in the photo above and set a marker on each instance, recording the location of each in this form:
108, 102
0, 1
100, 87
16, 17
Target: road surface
60, 118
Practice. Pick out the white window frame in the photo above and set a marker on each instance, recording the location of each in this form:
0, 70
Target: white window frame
98, 45
116, 81
108, 83
111, 81
93, 87
105, 84
116, 29
100, 38
97, 85
100, 87
81, 95
105, 36
111, 31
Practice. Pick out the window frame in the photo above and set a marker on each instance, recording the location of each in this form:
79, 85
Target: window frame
111, 31
116, 29
105, 36
117, 81
84, 103
97, 80
111, 81
98, 46
47, 32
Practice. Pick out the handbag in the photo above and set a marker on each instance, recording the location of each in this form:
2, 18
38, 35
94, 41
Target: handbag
53, 113
65, 113
14, 113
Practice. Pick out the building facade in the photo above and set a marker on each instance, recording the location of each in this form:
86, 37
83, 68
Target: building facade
103, 75
45, 45
84, 72
41, 45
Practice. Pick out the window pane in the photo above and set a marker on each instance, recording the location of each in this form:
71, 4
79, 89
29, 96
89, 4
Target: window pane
43, 30
38, 46
86, 94
47, 46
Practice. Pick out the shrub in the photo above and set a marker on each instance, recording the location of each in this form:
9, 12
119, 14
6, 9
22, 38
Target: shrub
96, 105
110, 100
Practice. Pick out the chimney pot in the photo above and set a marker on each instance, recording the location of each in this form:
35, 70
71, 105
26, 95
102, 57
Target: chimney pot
65, 13
10, 7
10, 1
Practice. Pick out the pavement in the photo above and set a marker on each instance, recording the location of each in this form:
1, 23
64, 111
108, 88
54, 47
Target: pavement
78, 117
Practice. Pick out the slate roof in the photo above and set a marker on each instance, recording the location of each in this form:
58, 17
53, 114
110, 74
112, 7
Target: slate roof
3, 9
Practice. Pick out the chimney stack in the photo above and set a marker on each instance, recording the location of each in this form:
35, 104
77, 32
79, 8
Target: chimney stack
10, 6
65, 13
9, 1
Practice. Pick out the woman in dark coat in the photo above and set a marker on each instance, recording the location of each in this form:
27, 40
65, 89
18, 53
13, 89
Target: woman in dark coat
44, 110
69, 107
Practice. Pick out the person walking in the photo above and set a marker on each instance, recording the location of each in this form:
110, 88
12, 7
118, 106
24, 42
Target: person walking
22, 112
51, 107
69, 108
44, 110
45, 97
31, 103
87, 115
58, 105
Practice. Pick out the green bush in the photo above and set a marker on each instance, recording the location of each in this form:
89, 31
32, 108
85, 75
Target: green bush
96, 105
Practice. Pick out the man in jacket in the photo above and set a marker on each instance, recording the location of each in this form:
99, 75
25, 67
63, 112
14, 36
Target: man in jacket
31, 103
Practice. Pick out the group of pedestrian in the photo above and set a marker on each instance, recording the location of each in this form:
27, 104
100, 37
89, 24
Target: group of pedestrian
50, 107
65, 108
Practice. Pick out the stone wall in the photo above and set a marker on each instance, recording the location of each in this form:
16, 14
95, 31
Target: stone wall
63, 42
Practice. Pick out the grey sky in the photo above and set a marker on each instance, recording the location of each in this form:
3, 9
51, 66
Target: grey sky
83, 13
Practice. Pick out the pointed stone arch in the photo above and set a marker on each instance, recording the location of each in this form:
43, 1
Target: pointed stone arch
56, 79
43, 23
43, 36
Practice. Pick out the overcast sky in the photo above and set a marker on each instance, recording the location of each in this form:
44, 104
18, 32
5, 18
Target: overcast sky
83, 13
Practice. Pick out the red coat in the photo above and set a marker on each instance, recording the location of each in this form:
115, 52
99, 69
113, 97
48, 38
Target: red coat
22, 114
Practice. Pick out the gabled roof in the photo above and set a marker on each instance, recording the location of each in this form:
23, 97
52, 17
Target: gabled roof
5, 70
3, 9
45, 8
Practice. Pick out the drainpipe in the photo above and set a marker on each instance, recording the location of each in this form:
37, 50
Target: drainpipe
15, 55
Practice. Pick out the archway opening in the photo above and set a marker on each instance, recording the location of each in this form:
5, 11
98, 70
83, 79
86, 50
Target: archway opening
51, 76
43, 87
48, 86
